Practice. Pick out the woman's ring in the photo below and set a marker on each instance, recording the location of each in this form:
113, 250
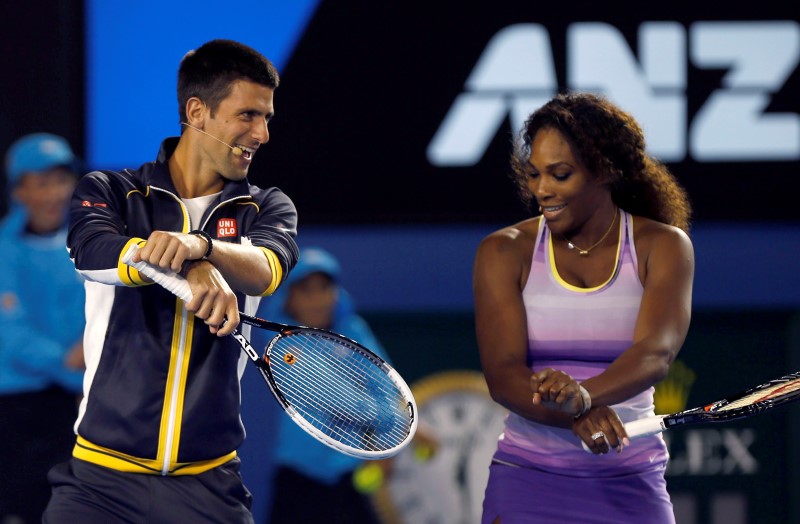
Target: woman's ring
598, 435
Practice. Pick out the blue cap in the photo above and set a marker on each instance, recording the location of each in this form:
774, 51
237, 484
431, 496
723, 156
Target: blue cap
37, 152
314, 260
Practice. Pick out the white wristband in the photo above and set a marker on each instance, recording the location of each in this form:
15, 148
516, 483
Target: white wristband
587, 402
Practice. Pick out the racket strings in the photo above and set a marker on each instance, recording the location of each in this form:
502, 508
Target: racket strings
340, 391
345, 414
773, 392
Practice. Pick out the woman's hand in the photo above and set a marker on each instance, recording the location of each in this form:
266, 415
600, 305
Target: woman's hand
601, 429
557, 390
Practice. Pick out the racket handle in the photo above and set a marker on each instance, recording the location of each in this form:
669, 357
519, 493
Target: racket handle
644, 427
179, 287
167, 279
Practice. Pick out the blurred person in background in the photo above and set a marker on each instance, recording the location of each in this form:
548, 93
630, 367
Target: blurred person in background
312, 482
41, 325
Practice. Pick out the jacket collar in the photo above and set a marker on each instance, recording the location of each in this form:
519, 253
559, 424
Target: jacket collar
157, 174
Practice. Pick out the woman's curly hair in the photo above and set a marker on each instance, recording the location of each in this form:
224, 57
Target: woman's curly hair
610, 143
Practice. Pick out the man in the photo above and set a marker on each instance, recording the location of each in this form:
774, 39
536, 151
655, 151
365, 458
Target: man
41, 325
159, 424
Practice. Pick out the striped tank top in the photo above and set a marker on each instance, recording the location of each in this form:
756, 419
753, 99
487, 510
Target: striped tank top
581, 331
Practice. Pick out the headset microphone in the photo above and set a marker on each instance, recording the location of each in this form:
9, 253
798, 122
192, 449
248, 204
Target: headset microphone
236, 150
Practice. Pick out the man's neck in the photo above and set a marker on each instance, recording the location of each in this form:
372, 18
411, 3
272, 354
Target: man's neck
190, 178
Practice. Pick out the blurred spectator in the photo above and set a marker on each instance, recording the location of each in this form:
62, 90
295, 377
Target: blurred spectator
312, 482
41, 325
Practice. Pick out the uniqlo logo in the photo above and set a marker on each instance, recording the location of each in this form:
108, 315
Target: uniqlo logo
226, 227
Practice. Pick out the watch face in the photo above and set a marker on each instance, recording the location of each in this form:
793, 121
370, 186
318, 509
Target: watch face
446, 486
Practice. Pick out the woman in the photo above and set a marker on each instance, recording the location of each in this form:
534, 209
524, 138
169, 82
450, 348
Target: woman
579, 312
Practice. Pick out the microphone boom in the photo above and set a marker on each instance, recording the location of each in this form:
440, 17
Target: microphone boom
236, 150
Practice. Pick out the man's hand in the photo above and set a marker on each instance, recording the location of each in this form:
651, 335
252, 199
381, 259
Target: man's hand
212, 298
169, 250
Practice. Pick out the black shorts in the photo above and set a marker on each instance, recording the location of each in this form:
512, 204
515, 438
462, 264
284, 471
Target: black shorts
91, 494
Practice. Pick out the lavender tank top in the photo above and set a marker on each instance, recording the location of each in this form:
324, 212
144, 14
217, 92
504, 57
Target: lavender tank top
581, 331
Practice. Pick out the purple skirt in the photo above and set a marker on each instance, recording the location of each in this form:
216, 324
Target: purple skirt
517, 495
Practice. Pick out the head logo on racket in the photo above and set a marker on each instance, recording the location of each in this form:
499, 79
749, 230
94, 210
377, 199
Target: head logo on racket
289, 358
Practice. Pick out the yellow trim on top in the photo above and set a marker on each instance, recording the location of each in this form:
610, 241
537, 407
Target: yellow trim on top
128, 275
567, 285
86, 451
275, 268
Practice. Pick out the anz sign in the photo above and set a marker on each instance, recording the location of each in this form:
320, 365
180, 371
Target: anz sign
515, 74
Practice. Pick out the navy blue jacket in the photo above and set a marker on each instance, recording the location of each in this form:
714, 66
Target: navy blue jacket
162, 393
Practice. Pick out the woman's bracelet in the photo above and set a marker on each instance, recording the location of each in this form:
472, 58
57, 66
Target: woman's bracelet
587, 401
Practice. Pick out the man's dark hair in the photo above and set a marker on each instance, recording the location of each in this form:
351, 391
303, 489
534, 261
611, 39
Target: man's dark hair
209, 72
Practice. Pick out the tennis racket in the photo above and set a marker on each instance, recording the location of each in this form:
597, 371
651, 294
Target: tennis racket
753, 401
338, 391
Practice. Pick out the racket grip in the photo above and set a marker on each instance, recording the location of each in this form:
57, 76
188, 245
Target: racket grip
644, 427
169, 280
